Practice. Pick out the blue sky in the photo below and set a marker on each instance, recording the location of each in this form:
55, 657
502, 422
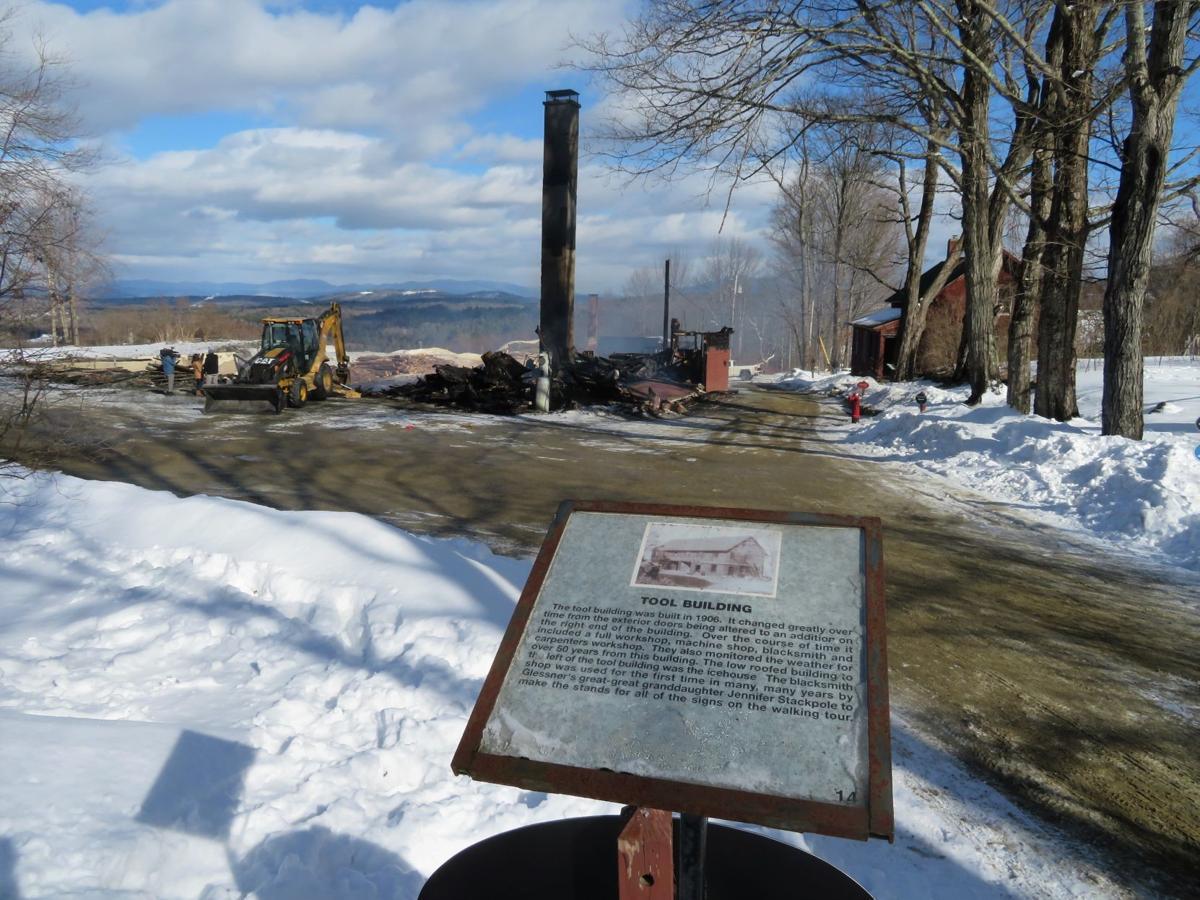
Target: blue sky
249, 140
252, 140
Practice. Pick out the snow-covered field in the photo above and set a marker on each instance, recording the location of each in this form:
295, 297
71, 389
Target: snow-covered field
1139, 497
126, 351
206, 698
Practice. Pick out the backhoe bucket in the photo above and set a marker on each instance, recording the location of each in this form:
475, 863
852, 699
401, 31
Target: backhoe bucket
261, 393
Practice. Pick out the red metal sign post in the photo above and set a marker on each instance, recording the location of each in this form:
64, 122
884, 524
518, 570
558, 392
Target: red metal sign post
645, 869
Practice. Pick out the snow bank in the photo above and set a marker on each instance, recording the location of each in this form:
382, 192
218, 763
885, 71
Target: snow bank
1143, 495
344, 654
207, 698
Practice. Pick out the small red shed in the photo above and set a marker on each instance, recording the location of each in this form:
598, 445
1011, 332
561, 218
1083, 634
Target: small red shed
874, 344
875, 337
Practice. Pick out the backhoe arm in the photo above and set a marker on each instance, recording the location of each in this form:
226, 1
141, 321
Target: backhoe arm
331, 326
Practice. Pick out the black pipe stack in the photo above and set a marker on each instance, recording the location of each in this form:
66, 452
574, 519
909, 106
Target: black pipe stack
559, 177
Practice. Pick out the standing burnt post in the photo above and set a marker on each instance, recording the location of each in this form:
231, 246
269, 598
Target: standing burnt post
593, 341
667, 323
559, 178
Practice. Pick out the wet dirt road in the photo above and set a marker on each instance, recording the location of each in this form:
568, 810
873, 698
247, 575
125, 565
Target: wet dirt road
1064, 675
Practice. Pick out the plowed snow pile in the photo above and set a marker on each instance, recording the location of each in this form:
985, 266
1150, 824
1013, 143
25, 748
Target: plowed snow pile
1143, 496
207, 698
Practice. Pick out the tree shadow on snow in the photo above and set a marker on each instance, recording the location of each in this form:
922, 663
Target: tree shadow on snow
427, 671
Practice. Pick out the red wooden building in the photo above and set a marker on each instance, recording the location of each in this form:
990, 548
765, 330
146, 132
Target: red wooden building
876, 336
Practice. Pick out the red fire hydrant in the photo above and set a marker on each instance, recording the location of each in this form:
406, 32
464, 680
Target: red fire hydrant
855, 407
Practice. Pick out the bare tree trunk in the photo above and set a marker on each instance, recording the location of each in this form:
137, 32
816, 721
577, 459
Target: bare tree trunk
73, 310
1025, 303
808, 299
979, 330
1131, 243
1062, 281
927, 296
916, 308
835, 341
1156, 75
56, 316
804, 243
1073, 42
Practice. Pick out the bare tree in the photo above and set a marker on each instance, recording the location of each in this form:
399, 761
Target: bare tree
1028, 296
716, 83
1005, 82
44, 256
40, 212
1173, 299
728, 295
1075, 45
916, 234
795, 237
1156, 73
642, 288
836, 235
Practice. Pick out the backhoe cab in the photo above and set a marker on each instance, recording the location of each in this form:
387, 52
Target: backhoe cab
292, 365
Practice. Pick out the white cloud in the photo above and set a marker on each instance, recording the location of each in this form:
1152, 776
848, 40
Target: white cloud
282, 198
370, 169
502, 147
424, 63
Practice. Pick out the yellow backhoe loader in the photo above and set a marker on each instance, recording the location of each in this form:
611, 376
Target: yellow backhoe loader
292, 364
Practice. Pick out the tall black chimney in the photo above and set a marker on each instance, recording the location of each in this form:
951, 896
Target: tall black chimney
667, 310
559, 177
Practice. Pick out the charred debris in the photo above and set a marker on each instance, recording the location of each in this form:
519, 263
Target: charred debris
653, 384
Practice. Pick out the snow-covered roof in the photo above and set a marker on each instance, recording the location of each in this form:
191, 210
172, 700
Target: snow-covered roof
879, 317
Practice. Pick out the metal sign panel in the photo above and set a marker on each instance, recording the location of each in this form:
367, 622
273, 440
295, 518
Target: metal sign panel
721, 662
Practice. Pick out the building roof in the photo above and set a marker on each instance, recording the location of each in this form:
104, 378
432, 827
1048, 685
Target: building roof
712, 545
900, 298
879, 317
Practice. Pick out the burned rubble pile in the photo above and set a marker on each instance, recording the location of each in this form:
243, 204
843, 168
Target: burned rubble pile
502, 385
65, 372
147, 378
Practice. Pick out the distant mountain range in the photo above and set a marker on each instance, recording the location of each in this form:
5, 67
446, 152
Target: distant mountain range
298, 288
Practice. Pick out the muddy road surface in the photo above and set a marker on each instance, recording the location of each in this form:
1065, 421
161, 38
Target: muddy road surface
1062, 673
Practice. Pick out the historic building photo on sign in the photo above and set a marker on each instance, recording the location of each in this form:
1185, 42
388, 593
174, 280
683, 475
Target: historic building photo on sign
689, 557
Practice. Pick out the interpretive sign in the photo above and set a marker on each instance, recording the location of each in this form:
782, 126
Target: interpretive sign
721, 662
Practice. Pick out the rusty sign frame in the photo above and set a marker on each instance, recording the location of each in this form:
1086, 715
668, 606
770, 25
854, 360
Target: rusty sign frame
874, 819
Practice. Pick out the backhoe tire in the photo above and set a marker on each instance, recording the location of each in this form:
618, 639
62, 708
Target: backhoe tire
323, 383
297, 394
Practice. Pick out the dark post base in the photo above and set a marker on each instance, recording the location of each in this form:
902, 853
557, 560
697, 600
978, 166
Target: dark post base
575, 859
